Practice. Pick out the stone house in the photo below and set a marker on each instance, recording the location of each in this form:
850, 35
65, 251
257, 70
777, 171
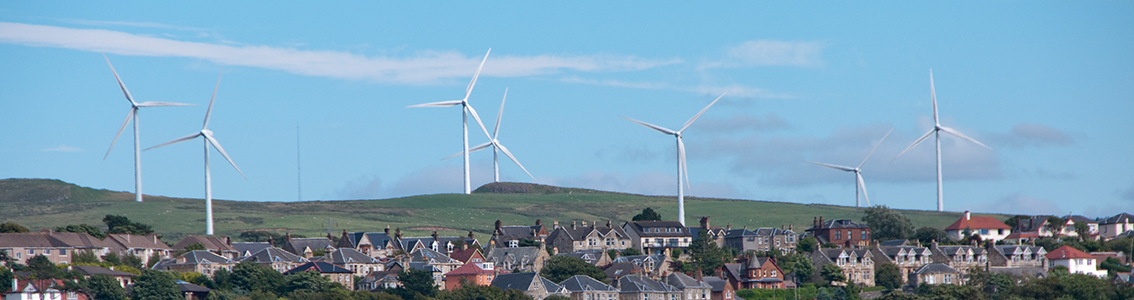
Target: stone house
579, 238
532, 284
656, 237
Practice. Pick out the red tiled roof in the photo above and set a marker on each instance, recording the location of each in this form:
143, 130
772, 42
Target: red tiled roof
1022, 235
463, 255
977, 223
469, 269
1066, 252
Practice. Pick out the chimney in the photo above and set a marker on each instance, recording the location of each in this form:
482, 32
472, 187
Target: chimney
698, 275
498, 225
608, 224
814, 222
728, 226
556, 224
705, 223
387, 229
398, 233
789, 228
155, 238
228, 240
554, 250
538, 222
968, 216
572, 224
584, 223
271, 243
820, 220
471, 235
435, 238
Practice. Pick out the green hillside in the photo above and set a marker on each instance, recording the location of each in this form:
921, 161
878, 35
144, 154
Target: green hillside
44, 203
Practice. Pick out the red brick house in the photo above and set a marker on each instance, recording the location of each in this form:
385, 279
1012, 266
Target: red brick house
841, 232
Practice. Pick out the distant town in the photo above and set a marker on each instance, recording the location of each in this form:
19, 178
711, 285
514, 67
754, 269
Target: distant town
881, 255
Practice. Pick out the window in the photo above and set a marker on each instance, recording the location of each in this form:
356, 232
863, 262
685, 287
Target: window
864, 234
46, 251
838, 235
849, 236
62, 252
984, 231
31, 251
948, 278
751, 238
929, 279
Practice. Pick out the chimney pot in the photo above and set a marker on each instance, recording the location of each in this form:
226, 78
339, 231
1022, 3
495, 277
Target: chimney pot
538, 222
572, 224
968, 216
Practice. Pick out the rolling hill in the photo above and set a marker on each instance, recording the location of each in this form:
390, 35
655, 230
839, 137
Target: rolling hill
46, 203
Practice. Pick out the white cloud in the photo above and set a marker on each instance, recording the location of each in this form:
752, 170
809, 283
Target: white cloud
62, 148
130, 24
1032, 135
770, 53
1018, 204
426, 67
740, 122
734, 90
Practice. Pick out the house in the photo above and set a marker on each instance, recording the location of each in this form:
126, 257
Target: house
1014, 256
512, 236
691, 288
987, 228
193, 291
211, 243
761, 239
329, 270
470, 274
583, 287
594, 257
308, 247
443, 244
655, 237
935, 273
358, 262
842, 232
717, 234
1092, 226
275, 259
374, 244
907, 258
754, 273
199, 261
857, 264
521, 259
532, 284
617, 270
442, 262
1115, 226
378, 280
961, 258
80, 242
123, 278
638, 287
24, 245
653, 266
143, 246
579, 238
1076, 261
467, 255
24, 289
721, 289
248, 248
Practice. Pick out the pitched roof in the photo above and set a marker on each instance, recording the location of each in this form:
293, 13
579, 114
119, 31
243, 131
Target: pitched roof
682, 281
210, 243
29, 240
192, 288
130, 241
839, 224
1080, 219
717, 285
936, 268
464, 255
619, 269
639, 284
975, 222
470, 269
297, 245
515, 281
205, 257
522, 255
1066, 252
77, 240
583, 283
427, 255
273, 255
1119, 218
248, 248
672, 228
95, 270
580, 233
343, 256
377, 239
318, 266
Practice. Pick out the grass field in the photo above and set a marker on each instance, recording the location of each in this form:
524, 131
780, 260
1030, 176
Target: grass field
43, 203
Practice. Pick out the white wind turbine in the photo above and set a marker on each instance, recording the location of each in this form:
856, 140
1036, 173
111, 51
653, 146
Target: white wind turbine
496, 145
133, 115
467, 109
860, 184
681, 171
936, 132
209, 139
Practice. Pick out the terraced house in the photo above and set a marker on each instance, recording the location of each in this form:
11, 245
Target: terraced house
580, 238
857, 264
655, 237
59, 247
761, 239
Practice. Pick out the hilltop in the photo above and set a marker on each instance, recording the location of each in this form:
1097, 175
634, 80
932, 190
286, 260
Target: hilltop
47, 203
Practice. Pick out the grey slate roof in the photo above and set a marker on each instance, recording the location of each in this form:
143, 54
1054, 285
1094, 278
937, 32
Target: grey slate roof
273, 255
426, 255
522, 282
205, 257
590, 256
894, 243
617, 270
643, 261
517, 255
318, 266
579, 233
296, 245
378, 239
350, 256
247, 248
192, 288
643, 228
210, 243
584, 283
682, 281
639, 284
717, 285
840, 224
1119, 218
95, 270
936, 268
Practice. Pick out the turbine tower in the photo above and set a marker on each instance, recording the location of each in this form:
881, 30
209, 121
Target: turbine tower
860, 184
496, 145
133, 116
936, 132
467, 109
209, 139
681, 171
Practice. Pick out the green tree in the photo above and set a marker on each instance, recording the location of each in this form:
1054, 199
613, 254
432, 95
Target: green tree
561, 267
252, 277
612, 253
155, 285
1014, 221
887, 275
83, 228
479, 292
154, 259
707, 256
132, 260
222, 278
631, 252
806, 245
1082, 230
887, 224
1055, 224
6, 274
112, 259
927, 235
11, 227
122, 224
832, 273
85, 257
803, 267
419, 282
308, 281
528, 243
648, 214
43, 268
104, 287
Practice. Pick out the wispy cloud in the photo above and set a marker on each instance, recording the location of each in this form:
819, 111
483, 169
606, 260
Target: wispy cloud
62, 148
734, 90
1032, 135
427, 67
743, 122
130, 24
770, 53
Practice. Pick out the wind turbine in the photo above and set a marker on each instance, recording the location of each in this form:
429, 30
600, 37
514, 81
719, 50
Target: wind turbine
936, 132
859, 182
209, 139
467, 109
133, 115
681, 171
496, 145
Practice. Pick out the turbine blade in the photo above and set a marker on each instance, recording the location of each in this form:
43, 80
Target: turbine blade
933, 97
129, 117
181, 139
694, 118
471, 150
509, 154
468, 90
209, 111
437, 104
956, 133
879, 143
862, 186
836, 167
655, 127
477, 118
684, 167
158, 104
915, 143
120, 84
499, 115
220, 149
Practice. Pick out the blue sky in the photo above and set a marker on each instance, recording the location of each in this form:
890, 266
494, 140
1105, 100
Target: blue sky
1046, 84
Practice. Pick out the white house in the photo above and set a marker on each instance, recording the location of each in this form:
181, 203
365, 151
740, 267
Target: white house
988, 228
1076, 261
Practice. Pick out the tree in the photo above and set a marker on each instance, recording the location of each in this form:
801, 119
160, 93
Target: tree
561, 267
102, 286
132, 260
10, 227
6, 274
1082, 230
648, 214
528, 243
887, 224
112, 258
155, 285
478, 292
307, 281
612, 253
1014, 221
631, 252
83, 228
806, 244
121, 224
84, 257
887, 275
832, 273
803, 268
927, 235
43, 268
1055, 224
419, 282
154, 259
252, 277
706, 254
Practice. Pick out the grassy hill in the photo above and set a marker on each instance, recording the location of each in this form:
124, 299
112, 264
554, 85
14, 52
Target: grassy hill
45, 203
